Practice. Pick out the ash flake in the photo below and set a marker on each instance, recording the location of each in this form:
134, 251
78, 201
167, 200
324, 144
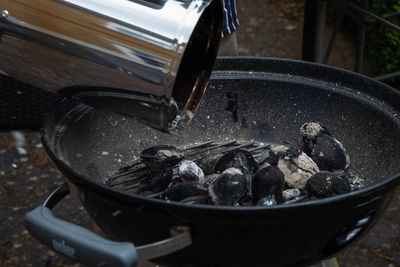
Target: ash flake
24, 159
104, 153
116, 213
17, 245
21, 151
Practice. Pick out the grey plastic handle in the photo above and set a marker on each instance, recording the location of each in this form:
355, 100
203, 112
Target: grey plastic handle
75, 241
78, 243
91, 249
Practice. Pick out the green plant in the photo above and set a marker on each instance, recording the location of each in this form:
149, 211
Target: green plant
383, 42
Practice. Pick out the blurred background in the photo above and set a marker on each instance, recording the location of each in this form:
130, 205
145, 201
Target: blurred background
274, 28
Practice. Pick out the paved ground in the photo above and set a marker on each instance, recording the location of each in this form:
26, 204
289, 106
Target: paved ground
268, 28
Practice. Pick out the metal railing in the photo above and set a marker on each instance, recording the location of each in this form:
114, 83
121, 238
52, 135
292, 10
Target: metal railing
314, 24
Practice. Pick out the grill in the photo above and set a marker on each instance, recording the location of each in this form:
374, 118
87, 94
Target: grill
247, 99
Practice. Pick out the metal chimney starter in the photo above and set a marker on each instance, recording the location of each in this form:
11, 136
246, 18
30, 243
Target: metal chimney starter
132, 56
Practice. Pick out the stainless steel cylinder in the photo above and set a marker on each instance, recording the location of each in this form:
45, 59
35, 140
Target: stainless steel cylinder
133, 56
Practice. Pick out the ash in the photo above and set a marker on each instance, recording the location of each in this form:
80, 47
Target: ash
243, 173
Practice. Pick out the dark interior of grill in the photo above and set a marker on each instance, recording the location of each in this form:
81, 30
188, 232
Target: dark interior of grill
97, 143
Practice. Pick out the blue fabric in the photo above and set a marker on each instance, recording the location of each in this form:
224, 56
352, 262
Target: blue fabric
230, 17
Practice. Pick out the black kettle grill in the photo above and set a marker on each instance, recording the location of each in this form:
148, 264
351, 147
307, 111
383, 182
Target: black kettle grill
274, 97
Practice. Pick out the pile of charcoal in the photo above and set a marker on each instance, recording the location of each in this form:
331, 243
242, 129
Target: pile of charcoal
243, 173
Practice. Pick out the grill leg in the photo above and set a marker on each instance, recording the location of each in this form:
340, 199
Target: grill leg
361, 41
313, 30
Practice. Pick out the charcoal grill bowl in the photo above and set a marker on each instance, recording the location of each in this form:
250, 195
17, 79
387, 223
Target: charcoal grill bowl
262, 98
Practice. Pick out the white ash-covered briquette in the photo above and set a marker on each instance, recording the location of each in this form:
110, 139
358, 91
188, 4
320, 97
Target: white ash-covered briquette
190, 171
161, 156
295, 165
297, 170
185, 190
268, 183
312, 129
230, 186
290, 194
323, 148
327, 184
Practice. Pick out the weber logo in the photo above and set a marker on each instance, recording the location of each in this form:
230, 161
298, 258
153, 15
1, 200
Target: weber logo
63, 248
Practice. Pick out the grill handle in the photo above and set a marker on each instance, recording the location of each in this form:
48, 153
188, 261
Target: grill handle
74, 241
89, 248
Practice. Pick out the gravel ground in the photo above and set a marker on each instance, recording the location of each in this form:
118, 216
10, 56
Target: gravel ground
268, 28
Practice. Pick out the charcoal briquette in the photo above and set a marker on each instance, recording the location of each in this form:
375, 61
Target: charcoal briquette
323, 148
184, 190
161, 156
268, 182
207, 162
237, 158
230, 186
157, 181
327, 184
